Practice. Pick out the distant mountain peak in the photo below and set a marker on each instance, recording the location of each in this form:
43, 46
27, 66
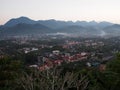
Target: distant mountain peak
52, 23
20, 18
23, 17
15, 21
116, 25
25, 26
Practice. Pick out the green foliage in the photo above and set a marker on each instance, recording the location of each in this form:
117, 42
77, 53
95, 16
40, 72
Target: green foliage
14, 77
114, 65
112, 73
9, 71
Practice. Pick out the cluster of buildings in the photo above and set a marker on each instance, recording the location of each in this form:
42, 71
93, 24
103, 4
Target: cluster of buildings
87, 43
27, 50
56, 59
73, 51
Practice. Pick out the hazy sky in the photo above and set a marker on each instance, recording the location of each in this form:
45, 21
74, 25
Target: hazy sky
99, 10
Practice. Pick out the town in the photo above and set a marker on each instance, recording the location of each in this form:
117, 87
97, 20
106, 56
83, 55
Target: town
50, 52
57, 62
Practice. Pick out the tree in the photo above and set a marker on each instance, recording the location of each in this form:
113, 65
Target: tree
9, 71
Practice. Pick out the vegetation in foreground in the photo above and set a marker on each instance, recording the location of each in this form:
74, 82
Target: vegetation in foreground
15, 76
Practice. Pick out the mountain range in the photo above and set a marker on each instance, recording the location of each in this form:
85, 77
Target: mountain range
26, 26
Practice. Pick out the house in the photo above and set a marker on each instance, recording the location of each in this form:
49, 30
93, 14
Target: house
58, 62
83, 54
34, 49
88, 64
102, 67
43, 67
34, 66
56, 52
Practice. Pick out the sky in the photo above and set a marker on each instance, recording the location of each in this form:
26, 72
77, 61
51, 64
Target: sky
87, 10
